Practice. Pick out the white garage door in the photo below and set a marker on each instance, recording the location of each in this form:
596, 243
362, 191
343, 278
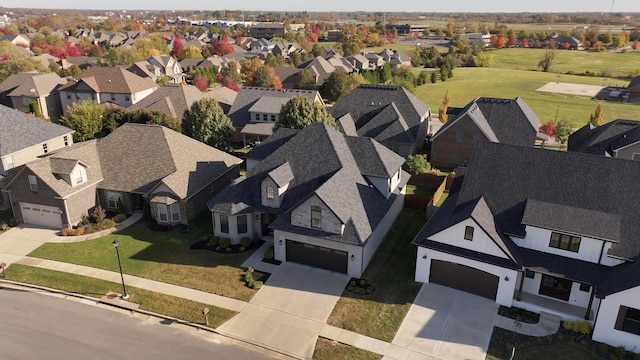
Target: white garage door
41, 215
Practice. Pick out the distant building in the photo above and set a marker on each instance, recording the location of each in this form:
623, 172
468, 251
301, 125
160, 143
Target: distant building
267, 30
407, 29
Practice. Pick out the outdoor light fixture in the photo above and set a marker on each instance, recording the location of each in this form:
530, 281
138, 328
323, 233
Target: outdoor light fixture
506, 278
280, 242
124, 296
424, 256
353, 257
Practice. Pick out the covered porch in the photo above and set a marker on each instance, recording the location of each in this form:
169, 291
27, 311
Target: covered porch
254, 133
566, 311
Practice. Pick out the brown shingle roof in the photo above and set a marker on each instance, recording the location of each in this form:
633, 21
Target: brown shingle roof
112, 80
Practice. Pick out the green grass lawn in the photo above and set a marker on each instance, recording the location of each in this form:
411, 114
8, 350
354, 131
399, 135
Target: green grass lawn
329, 350
159, 303
612, 64
392, 272
419, 190
469, 83
161, 256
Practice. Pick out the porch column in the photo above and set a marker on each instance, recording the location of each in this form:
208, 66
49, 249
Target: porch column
593, 293
519, 296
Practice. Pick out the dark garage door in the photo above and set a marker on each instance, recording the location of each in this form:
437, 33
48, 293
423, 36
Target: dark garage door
464, 278
317, 256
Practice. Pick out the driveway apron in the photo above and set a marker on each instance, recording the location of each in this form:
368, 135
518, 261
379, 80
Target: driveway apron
289, 311
17, 242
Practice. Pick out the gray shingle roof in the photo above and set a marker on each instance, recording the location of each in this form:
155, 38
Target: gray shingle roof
111, 80
327, 168
562, 188
34, 85
268, 104
172, 99
600, 140
371, 103
19, 131
282, 174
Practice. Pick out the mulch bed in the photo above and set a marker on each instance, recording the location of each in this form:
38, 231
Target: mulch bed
261, 276
204, 245
516, 313
272, 261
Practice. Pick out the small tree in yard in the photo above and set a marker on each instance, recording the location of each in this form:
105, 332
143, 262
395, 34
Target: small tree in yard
300, 112
205, 121
442, 111
85, 118
597, 118
547, 59
548, 128
417, 164
562, 131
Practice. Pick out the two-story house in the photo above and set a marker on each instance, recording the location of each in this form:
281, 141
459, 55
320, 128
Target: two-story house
157, 66
390, 114
542, 230
21, 90
618, 138
507, 121
24, 138
323, 198
255, 110
106, 84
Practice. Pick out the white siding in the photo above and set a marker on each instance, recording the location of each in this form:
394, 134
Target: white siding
577, 297
505, 288
382, 184
538, 239
481, 242
604, 327
278, 193
378, 234
301, 216
31, 153
233, 227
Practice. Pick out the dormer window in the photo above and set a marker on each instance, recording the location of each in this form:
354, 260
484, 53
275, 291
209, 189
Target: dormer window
564, 242
33, 183
270, 192
468, 233
316, 217
79, 177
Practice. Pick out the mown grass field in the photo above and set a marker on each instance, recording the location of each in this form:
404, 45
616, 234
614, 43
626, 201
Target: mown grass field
469, 83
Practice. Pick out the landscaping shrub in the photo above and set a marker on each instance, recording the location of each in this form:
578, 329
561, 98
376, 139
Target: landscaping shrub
119, 218
79, 231
269, 254
4, 226
245, 242
121, 208
98, 214
620, 351
106, 224
581, 327
250, 281
360, 286
68, 231
85, 220
213, 240
225, 242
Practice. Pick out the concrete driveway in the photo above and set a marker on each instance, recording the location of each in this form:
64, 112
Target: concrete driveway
445, 323
19, 241
289, 311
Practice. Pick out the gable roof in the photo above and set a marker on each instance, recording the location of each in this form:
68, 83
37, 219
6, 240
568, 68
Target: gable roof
371, 102
35, 85
111, 80
19, 131
172, 99
248, 96
330, 172
509, 121
604, 139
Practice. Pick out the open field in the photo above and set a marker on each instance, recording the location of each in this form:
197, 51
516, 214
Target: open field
611, 64
469, 83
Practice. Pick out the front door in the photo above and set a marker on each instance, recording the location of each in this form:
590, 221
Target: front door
555, 287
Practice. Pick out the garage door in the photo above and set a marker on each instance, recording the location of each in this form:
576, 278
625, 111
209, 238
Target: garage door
317, 256
464, 278
42, 215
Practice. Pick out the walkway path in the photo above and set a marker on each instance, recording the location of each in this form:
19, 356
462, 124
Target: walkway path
548, 325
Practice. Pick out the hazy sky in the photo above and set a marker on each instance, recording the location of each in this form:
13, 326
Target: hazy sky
341, 5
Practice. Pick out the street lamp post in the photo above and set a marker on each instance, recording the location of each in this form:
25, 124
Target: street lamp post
557, 108
124, 289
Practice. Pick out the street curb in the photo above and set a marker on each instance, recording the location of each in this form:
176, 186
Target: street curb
31, 287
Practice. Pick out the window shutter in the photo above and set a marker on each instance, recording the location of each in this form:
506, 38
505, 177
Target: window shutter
622, 314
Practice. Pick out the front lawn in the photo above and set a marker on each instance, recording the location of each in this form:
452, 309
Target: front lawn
392, 272
161, 256
330, 350
159, 303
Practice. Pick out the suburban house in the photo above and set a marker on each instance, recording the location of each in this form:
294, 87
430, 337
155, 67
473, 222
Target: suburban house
618, 139
633, 89
25, 138
321, 68
256, 109
328, 207
157, 66
390, 114
138, 165
17, 39
507, 121
106, 84
174, 99
545, 231
21, 90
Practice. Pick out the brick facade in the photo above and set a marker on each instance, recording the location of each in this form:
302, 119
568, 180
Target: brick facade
453, 147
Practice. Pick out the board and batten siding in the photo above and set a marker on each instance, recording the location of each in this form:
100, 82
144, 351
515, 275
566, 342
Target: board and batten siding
481, 242
604, 330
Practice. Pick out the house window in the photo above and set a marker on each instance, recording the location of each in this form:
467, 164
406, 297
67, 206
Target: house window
257, 116
45, 148
316, 217
628, 320
530, 274
127, 98
66, 140
585, 287
242, 224
273, 118
555, 287
270, 194
112, 199
636, 157
162, 213
79, 177
9, 162
459, 136
68, 96
468, 233
113, 97
564, 242
33, 183
175, 212
224, 224
265, 117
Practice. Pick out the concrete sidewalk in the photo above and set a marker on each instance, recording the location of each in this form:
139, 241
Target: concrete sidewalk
548, 325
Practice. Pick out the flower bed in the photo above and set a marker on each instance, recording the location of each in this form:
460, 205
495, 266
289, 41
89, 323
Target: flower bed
522, 315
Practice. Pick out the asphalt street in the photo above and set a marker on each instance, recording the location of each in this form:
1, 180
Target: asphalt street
38, 326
